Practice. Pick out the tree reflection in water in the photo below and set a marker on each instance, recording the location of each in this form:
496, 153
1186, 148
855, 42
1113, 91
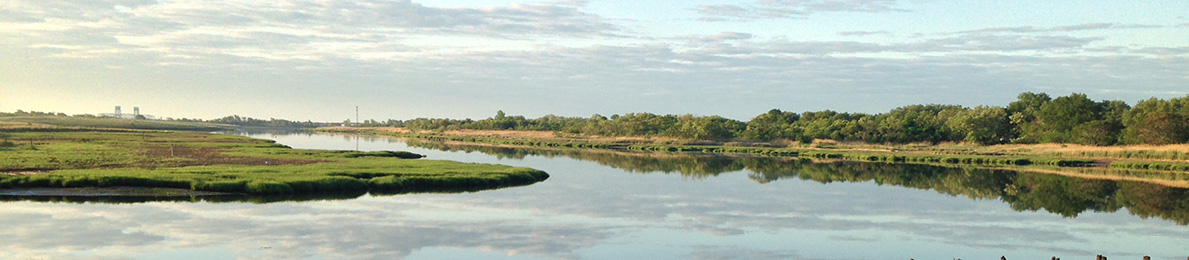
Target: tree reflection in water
1023, 191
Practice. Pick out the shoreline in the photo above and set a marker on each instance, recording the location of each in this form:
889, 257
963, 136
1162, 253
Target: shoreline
1147, 158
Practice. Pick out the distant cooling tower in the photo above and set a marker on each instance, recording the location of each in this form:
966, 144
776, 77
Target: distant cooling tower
118, 113
135, 111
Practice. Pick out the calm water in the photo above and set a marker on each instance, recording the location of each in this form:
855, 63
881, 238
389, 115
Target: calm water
618, 206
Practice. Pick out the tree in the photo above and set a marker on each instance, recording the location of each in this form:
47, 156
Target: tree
982, 125
1156, 121
1060, 116
1022, 114
1160, 128
915, 123
772, 125
1097, 132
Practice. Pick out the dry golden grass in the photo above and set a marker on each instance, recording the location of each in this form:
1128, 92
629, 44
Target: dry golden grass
1159, 153
22, 125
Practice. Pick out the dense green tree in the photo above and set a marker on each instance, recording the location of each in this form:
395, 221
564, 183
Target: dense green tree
1060, 116
772, 125
830, 125
1022, 114
1156, 121
982, 125
706, 128
1034, 117
1097, 132
916, 123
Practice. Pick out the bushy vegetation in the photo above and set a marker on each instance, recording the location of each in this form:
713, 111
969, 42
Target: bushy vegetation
1033, 118
271, 122
223, 163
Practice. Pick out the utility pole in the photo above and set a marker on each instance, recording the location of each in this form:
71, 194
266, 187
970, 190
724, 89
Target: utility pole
357, 115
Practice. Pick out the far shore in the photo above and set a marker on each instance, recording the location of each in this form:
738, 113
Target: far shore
1174, 158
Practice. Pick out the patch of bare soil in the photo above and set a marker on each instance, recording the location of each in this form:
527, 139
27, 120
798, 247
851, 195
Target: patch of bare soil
200, 156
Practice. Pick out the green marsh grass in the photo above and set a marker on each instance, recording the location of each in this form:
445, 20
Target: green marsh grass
117, 123
224, 163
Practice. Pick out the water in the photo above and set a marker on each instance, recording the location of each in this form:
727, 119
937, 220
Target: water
619, 206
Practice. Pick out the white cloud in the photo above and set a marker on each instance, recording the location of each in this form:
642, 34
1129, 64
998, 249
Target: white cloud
279, 30
863, 33
776, 9
1067, 28
540, 49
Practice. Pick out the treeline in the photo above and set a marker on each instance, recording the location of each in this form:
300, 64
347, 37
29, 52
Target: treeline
271, 122
1032, 118
230, 120
36, 113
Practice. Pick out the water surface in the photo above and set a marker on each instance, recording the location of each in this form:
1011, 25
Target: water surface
621, 206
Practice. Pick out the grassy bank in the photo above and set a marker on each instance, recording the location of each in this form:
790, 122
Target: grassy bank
50, 156
1163, 158
107, 122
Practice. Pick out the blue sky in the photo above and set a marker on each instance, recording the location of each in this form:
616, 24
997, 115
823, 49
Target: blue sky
317, 60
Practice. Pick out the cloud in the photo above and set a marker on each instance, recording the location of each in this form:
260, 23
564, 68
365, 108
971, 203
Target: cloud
863, 33
722, 12
779, 9
75, 235
1067, 28
720, 38
714, 252
999, 43
302, 30
547, 50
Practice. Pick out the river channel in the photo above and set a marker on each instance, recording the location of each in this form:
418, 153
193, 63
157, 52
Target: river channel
610, 205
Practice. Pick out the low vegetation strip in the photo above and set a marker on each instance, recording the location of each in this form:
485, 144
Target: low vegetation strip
918, 155
1160, 166
224, 163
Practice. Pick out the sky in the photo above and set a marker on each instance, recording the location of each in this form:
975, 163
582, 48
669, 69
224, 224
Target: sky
319, 60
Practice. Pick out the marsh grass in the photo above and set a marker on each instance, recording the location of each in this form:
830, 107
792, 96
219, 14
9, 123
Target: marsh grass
117, 123
207, 162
